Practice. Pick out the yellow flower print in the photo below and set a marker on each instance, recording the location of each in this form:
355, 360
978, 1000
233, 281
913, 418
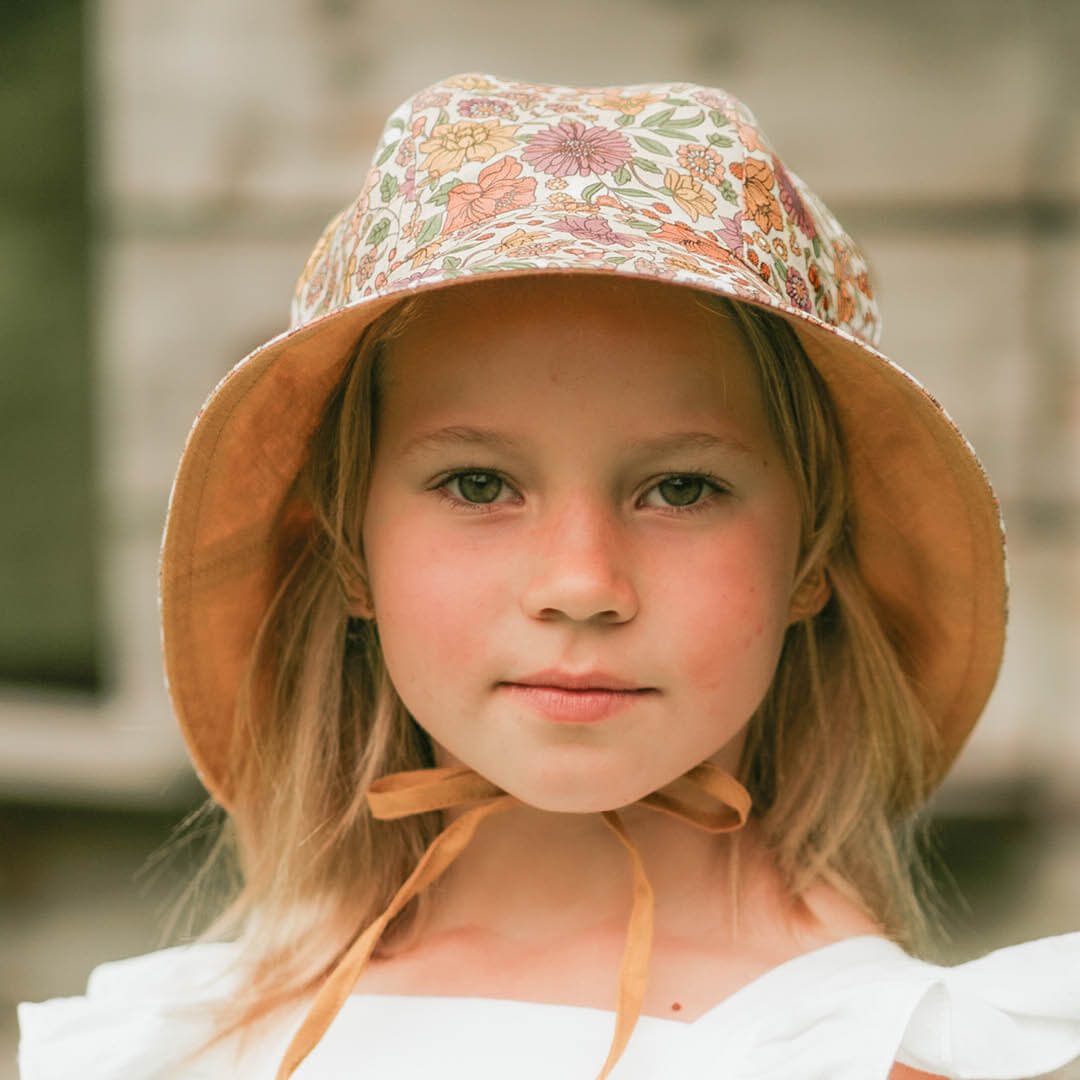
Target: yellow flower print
555, 183
627, 104
470, 82
680, 262
426, 253
452, 144
779, 248
689, 194
567, 204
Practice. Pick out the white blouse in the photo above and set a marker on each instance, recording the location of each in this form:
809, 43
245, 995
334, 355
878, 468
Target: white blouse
843, 1012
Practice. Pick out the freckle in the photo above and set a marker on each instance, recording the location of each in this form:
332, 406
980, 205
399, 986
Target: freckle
675, 1006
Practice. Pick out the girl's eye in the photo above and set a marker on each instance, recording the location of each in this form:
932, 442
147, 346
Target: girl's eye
682, 491
475, 487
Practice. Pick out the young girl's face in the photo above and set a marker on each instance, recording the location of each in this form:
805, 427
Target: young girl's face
581, 536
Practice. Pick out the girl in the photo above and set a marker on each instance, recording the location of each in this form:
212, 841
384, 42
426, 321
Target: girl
576, 527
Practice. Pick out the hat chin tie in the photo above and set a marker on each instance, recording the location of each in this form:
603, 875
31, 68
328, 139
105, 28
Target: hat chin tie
706, 797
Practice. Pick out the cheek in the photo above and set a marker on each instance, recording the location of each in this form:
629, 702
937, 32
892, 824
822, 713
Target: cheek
430, 609
729, 610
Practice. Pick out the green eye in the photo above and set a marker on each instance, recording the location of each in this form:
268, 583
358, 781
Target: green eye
681, 490
478, 487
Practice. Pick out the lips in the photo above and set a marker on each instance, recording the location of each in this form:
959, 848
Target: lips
588, 680
576, 697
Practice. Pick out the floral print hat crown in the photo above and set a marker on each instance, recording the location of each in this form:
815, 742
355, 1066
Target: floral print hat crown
477, 177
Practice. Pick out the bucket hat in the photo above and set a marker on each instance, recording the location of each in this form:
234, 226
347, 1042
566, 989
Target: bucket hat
478, 177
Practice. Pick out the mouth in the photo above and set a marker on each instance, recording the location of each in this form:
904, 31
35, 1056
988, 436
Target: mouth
576, 699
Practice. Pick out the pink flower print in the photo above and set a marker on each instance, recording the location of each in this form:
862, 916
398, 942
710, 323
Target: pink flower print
482, 108
591, 228
792, 200
406, 151
407, 190
797, 290
570, 148
730, 233
430, 99
497, 190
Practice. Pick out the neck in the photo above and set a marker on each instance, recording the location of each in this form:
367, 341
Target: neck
531, 878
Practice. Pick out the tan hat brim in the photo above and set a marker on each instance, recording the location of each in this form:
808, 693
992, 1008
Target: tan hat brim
927, 533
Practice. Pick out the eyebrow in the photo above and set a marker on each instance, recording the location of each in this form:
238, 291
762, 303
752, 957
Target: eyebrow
490, 438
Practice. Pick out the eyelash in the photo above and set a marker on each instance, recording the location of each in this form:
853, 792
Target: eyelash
716, 485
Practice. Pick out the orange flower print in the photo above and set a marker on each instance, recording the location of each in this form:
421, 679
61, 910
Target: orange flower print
452, 144
497, 190
555, 183
702, 162
570, 148
748, 135
689, 194
627, 104
814, 275
760, 203
862, 282
674, 232
845, 304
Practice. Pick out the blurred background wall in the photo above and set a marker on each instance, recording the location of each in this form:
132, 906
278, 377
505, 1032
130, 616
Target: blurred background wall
167, 168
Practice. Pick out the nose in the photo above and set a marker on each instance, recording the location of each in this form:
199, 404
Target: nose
579, 567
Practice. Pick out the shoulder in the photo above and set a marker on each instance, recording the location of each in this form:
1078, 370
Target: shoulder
136, 1016
1012, 1013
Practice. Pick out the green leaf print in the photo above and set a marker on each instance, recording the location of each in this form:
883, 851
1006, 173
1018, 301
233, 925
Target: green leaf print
633, 193
652, 145
817, 246
388, 149
720, 140
677, 101
646, 165
688, 122
644, 226
622, 175
441, 196
397, 122
379, 231
658, 118
780, 268
590, 191
675, 133
389, 187
718, 118
624, 120
429, 230
451, 262
442, 118
727, 189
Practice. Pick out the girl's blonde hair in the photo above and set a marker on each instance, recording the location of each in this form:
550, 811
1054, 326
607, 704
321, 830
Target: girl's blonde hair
836, 756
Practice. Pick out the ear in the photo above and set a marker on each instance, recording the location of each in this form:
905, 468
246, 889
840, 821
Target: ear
358, 602
810, 596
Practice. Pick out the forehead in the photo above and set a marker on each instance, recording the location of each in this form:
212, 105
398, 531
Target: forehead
596, 345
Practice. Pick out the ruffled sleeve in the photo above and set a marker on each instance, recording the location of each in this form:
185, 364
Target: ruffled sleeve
1010, 1014
141, 1019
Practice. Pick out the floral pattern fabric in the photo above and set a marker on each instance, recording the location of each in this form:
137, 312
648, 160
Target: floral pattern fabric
480, 175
